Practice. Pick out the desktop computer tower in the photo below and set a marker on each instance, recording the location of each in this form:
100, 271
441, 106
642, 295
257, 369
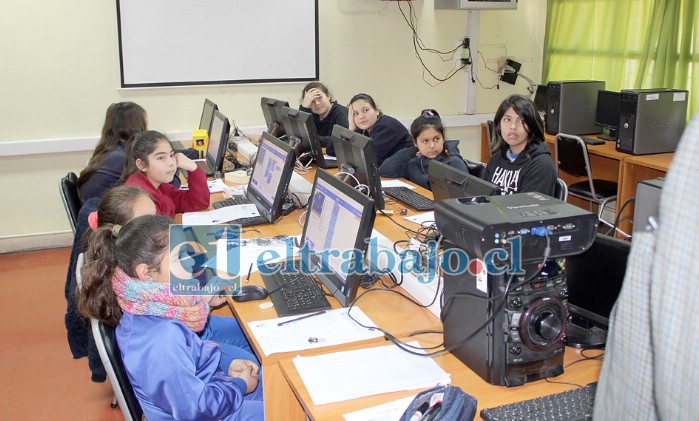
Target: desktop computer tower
572, 106
651, 120
647, 203
506, 343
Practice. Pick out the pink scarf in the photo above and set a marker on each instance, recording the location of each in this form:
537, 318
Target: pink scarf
151, 298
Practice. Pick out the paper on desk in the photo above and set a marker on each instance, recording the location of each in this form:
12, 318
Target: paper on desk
329, 158
220, 215
395, 183
250, 252
215, 186
330, 328
340, 376
390, 411
421, 218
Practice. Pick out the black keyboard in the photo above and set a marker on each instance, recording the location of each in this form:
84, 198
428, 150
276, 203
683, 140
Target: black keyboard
411, 198
573, 404
204, 167
293, 293
243, 222
592, 141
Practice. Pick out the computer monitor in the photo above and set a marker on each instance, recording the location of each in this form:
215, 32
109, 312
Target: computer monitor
356, 157
271, 175
594, 280
272, 111
302, 135
339, 218
450, 183
218, 141
608, 114
207, 115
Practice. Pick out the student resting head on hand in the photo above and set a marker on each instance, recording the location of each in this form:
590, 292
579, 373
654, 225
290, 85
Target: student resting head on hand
316, 99
387, 134
151, 164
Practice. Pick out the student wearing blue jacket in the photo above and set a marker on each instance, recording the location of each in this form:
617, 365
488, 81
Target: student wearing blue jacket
387, 134
429, 143
175, 374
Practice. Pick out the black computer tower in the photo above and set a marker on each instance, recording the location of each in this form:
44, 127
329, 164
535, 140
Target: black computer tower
651, 120
572, 106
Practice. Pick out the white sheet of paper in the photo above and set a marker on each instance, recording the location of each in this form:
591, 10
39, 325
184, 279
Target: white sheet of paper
219, 216
340, 376
390, 411
215, 186
421, 218
330, 328
395, 183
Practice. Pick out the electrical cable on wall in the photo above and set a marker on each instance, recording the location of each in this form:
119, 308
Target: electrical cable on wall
419, 45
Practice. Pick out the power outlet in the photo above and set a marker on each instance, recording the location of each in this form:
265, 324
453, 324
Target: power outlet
465, 51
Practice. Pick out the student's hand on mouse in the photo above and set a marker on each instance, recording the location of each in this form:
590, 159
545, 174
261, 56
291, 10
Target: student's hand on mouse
246, 370
185, 163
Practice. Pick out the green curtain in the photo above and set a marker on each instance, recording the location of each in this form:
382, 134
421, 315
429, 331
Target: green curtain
630, 44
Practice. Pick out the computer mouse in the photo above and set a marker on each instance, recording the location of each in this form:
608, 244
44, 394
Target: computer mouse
249, 293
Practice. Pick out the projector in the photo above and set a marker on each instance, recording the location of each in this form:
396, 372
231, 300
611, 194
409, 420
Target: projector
482, 223
247, 153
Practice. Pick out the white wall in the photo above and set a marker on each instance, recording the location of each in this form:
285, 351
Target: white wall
60, 71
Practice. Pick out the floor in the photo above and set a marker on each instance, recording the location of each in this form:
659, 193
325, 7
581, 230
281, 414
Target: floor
39, 380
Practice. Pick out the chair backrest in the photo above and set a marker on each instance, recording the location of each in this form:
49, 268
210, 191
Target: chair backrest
476, 168
68, 188
105, 339
79, 263
571, 156
491, 136
561, 190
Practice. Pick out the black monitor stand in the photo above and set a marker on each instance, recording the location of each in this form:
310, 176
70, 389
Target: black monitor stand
608, 133
584, 335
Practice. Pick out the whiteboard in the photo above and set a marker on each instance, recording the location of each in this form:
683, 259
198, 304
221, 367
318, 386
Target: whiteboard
202, 42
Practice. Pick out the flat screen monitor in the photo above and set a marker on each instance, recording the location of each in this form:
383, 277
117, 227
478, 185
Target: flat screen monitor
269, 181
594, 281
450, 183
302, 135
339, 218
207, 115
218, 141
356, 158
608, 114
272, 111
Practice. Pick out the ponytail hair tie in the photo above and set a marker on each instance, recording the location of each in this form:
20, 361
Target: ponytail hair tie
115, 230
429, 112
92, 220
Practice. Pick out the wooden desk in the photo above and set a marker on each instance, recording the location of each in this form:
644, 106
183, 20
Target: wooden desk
388, 310
488, 396
608, 164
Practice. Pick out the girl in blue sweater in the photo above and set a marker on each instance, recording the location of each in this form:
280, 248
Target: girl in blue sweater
174, 372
